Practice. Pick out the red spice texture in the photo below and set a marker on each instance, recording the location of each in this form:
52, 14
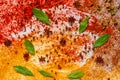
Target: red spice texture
14, 14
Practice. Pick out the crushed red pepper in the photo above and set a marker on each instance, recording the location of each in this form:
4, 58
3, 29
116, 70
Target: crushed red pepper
21, 13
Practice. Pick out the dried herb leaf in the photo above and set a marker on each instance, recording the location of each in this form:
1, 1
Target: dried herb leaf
83, 24
46, 74
40, 15
29, 46
101, 40
76, 75
23, 70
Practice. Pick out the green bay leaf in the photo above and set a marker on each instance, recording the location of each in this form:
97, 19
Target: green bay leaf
101, 40
40, 15
23, 70
76, 74
46, 74
29, 46
83, 25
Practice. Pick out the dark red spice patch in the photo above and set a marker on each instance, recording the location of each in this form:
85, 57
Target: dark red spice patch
7, 42
63, 42
99, 60
108, 78
26, 56
59, 67
71, 20
48, 32
42, 59
81, 56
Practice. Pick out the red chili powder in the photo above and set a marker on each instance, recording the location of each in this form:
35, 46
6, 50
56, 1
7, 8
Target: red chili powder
14, 14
